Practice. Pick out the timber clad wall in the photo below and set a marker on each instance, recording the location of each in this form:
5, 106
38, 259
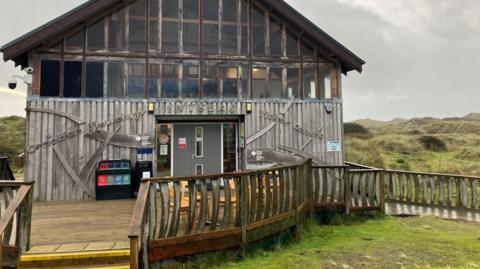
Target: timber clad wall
66, 137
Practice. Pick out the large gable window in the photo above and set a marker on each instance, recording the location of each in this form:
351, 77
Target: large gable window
116, 31
50, 78
170, 26
96, 36
72, 79
136, 29
229, 27
258, 32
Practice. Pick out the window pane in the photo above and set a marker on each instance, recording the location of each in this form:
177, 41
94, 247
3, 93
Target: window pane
170, 36
170, 9
293, 83
309, 81
230, 8
170, 81
116, 33
276, 88
210, 38
229, 39
74, 42
292, 45
229, 147
50, 78
325, 82
190, 9
136, 80
154, 5
259, 82
115, 86
190, 37
244, 23
95, 36
94, 81
258, 29
275, 38
245, 81
210, 10
153, 80
199, 142
230, 82
191, 87
72, 81
136, 33
307, 50
210, 82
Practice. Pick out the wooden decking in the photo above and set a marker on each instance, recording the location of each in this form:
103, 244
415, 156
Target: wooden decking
80, 226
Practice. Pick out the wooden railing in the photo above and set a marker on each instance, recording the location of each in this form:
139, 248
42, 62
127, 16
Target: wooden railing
433, 189
329, 185
5, 170
365, 190
15, 220
178, 216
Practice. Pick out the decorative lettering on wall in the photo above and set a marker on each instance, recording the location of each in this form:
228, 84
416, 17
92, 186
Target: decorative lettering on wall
174, 108
280, 119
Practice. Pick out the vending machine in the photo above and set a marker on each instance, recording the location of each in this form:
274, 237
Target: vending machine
114, 180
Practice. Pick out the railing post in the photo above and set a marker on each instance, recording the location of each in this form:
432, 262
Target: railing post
296, 203
310, 186
24, 223
244, 213
134, 257
348, 191
382, 191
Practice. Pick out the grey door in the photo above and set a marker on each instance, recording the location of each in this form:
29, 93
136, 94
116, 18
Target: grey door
197, 149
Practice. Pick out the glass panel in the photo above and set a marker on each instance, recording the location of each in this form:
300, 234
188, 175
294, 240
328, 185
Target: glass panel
309, 81
164, 144
199, 169
244, 22
229, 147
74, 42
307, 50
116, 33
259, 82
210, 38
191, 9
154, 19
292, 45
275, 38
170, 81
153, 80
170, 36
94, 81
72, 81
170, 9
191, 87
210, 10
258, 28
230, 8
230, 82
210, 82
95, 36
136, 80
116, 78
244, 80
293, 83
229, 39
190, 37
199, 142
154, 5
325, 82
50, 78
276, 86
136, 33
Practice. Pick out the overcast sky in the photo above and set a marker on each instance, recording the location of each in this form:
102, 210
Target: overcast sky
422, 55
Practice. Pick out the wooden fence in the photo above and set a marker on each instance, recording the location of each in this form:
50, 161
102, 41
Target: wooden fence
444, 190
187, 215
15, 221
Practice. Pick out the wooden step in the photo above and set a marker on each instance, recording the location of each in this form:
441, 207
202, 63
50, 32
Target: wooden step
104, 259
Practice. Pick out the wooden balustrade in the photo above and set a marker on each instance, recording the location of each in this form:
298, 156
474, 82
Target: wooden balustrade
329, 186
433, 189
178, 216
365, 190
15, 220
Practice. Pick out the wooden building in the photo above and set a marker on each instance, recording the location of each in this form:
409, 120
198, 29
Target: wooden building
196, 86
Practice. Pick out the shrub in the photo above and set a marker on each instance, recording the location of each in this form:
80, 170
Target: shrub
355, 129
433, 143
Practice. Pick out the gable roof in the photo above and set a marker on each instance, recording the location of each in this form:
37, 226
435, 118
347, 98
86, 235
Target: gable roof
17, 50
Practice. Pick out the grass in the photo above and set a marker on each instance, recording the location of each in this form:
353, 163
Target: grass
378, 242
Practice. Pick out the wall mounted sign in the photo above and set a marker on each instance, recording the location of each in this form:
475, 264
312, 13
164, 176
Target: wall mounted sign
163, 150
334, 146
182, 143
173, 108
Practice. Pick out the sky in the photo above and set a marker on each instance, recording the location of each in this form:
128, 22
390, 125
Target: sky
422, 56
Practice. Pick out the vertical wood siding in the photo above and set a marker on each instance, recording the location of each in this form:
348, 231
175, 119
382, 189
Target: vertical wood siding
55, 182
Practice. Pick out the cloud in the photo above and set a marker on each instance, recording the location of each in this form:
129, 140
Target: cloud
12, 102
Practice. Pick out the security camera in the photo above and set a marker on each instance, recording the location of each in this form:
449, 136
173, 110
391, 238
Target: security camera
29, 70
12, 84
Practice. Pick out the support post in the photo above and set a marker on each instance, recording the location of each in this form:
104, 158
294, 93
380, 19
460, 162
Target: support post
24, 223
134, 257
310, 186
296, 200
244, 213
382, 191
348, 191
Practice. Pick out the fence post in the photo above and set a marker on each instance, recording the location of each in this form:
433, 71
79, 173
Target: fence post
382, 191
244, 213
348, 191
24, 223
296, 200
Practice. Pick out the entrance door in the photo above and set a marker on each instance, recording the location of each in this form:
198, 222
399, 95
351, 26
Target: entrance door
197, 149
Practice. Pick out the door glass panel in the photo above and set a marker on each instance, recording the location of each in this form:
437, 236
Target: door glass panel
164, 142
276, 87
199, 142
198, 170
229, 147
